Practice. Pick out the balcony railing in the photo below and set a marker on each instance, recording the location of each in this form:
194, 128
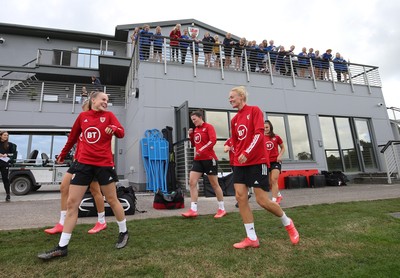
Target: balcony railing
249, 61
34, 90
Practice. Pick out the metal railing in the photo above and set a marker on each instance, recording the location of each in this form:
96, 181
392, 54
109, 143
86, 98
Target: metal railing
250, 60
391, 153
55, 92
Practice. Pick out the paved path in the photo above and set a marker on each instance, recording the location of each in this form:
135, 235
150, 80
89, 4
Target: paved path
41, 209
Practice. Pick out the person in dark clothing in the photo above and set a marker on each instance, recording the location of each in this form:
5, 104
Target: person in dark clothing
8, 154
228, 45
184, 44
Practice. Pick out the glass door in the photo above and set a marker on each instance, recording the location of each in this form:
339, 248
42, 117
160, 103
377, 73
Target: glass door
365, 145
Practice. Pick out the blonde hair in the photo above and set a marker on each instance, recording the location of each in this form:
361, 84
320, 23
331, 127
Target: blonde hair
241, 91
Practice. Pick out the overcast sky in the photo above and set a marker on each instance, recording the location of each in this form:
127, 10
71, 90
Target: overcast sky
364, 32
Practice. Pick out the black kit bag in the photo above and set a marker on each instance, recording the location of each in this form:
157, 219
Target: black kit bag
226, 183
317, 181
292, 182
173, 200
335, 178
126, 196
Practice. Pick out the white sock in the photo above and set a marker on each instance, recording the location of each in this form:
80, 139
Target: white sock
273, 199
64, 239
250, 231
221, 205
101, 217
122, 226
285, 220
63, 214
193, 206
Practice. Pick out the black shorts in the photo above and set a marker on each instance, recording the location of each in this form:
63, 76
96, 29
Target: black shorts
275, 165
209, 167
252, 176
84, 174
72, 168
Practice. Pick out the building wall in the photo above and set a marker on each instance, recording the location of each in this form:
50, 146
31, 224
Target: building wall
161, 93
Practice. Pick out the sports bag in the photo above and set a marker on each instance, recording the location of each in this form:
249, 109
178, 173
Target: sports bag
173, 200
126, 196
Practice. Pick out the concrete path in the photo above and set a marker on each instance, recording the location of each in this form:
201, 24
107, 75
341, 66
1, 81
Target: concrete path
41, 209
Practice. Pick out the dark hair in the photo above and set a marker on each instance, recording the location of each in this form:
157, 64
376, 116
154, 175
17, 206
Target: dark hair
271, 128
5, 143
199, 113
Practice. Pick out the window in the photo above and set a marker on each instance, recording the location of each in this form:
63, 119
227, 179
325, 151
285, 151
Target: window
89, 58
220, 122
293, 130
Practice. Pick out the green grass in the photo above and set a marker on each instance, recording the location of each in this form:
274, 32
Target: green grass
358, 239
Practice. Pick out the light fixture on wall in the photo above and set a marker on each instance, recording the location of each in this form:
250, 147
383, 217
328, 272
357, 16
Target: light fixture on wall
2, 40
48, 39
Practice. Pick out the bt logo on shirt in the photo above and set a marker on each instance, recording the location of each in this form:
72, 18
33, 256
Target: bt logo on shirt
242, 132
269, 145
197, 138
92, 135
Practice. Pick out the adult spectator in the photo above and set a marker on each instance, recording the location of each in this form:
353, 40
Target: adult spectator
340, 66
303, 63
311, 57
8, 155
280, 60
216, 51
184, 44
237, 52
318, 65
208, 42
294, 62
158, 42
326, 59
145, 42
194, 48
174, 36
272, 52
228, 45
96, 83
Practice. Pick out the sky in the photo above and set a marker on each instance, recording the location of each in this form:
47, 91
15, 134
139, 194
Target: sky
364, 32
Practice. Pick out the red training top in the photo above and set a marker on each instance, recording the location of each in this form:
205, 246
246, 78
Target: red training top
95, 147
248, 136
203, 138
272, 146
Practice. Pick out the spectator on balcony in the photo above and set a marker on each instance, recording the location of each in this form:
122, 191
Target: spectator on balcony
216, 51
291, 61
340, 66
326, 59
145, 42
303, 63
261, 56
184, 44
237, 52
208, 42
228, 45
97, 83
318, 65
280, 60
157, 45
311, 57
272, 53
134, 37
174, 36
194, 48
345, 69
246, 56
251, 50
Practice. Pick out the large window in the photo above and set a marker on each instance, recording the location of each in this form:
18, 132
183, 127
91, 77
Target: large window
89, 58
348, 144
293, 130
